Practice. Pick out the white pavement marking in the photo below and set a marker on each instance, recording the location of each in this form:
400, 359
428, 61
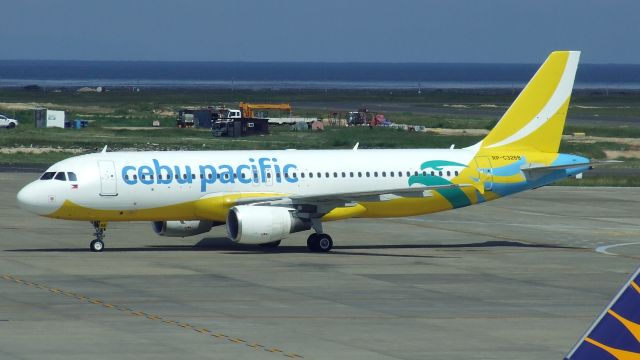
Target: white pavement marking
603, 249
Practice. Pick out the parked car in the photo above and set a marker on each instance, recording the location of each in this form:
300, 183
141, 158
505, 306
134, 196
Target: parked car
8, 123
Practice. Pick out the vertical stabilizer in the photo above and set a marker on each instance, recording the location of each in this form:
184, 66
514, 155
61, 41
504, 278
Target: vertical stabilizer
535, 120
616, 332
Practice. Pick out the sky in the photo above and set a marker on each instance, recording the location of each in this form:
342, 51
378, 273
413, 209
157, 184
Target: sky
458, 31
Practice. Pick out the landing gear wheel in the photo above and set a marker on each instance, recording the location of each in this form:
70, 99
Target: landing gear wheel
100, 227
96, 245
271, 245
319, 242
312, 240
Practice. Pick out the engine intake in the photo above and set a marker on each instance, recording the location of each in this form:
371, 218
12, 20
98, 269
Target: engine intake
262, 224
182, 228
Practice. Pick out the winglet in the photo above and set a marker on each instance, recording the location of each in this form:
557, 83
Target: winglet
104, 149
356, 147
616, 332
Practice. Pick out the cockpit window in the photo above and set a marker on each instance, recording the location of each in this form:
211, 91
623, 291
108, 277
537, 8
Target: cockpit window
72, 176
60, 176
47, 176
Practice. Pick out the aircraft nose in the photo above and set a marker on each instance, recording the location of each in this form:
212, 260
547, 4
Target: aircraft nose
33, 199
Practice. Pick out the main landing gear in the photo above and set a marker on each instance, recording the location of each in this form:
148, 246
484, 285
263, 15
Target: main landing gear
100, 227
319, 241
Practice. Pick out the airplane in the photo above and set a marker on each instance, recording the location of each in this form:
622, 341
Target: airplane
615, 334
263, 196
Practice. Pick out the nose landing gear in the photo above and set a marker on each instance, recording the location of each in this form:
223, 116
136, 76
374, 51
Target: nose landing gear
100, 227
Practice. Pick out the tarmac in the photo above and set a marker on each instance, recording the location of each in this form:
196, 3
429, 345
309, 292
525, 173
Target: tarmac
518, 278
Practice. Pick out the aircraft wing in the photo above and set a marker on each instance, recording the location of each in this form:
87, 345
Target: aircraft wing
328, 201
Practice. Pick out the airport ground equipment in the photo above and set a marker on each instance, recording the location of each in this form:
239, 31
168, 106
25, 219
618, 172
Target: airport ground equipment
249, 110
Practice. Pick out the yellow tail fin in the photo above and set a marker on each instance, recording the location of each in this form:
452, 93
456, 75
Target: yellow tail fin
535, 120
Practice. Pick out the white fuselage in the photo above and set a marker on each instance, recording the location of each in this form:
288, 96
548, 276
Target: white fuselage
130, 181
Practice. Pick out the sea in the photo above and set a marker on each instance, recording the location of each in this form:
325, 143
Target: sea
308, 75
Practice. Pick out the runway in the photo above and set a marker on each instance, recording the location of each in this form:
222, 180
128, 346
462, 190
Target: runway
519, 278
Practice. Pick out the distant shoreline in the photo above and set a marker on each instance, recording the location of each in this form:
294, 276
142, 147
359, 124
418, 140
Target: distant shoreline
299, 76
313, 87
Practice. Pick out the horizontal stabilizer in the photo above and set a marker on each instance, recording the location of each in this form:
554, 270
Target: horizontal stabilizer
534, 173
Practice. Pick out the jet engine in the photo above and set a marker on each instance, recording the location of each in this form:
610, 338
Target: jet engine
182, 228
262, 224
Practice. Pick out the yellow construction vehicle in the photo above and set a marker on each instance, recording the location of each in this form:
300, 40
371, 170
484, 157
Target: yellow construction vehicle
248, 109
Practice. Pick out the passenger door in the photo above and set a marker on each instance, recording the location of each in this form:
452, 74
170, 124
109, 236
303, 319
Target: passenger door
108, 183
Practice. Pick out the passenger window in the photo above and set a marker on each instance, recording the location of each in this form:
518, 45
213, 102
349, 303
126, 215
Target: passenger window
391, 173
456, 172
368, 174
439, 173
359, 174
416, 173
433, 173
351, 173
193, 176
302, 175
135, 177
60, 176
319, 175
344, 174
72, 176
310, 175
326, 174
375, 174
408, 173
384, 174
448, 173
47, 176
399, 173
335, 174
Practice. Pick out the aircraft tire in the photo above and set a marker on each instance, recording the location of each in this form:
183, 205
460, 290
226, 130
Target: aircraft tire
312, 241
320, 242
96, 246
325, 243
